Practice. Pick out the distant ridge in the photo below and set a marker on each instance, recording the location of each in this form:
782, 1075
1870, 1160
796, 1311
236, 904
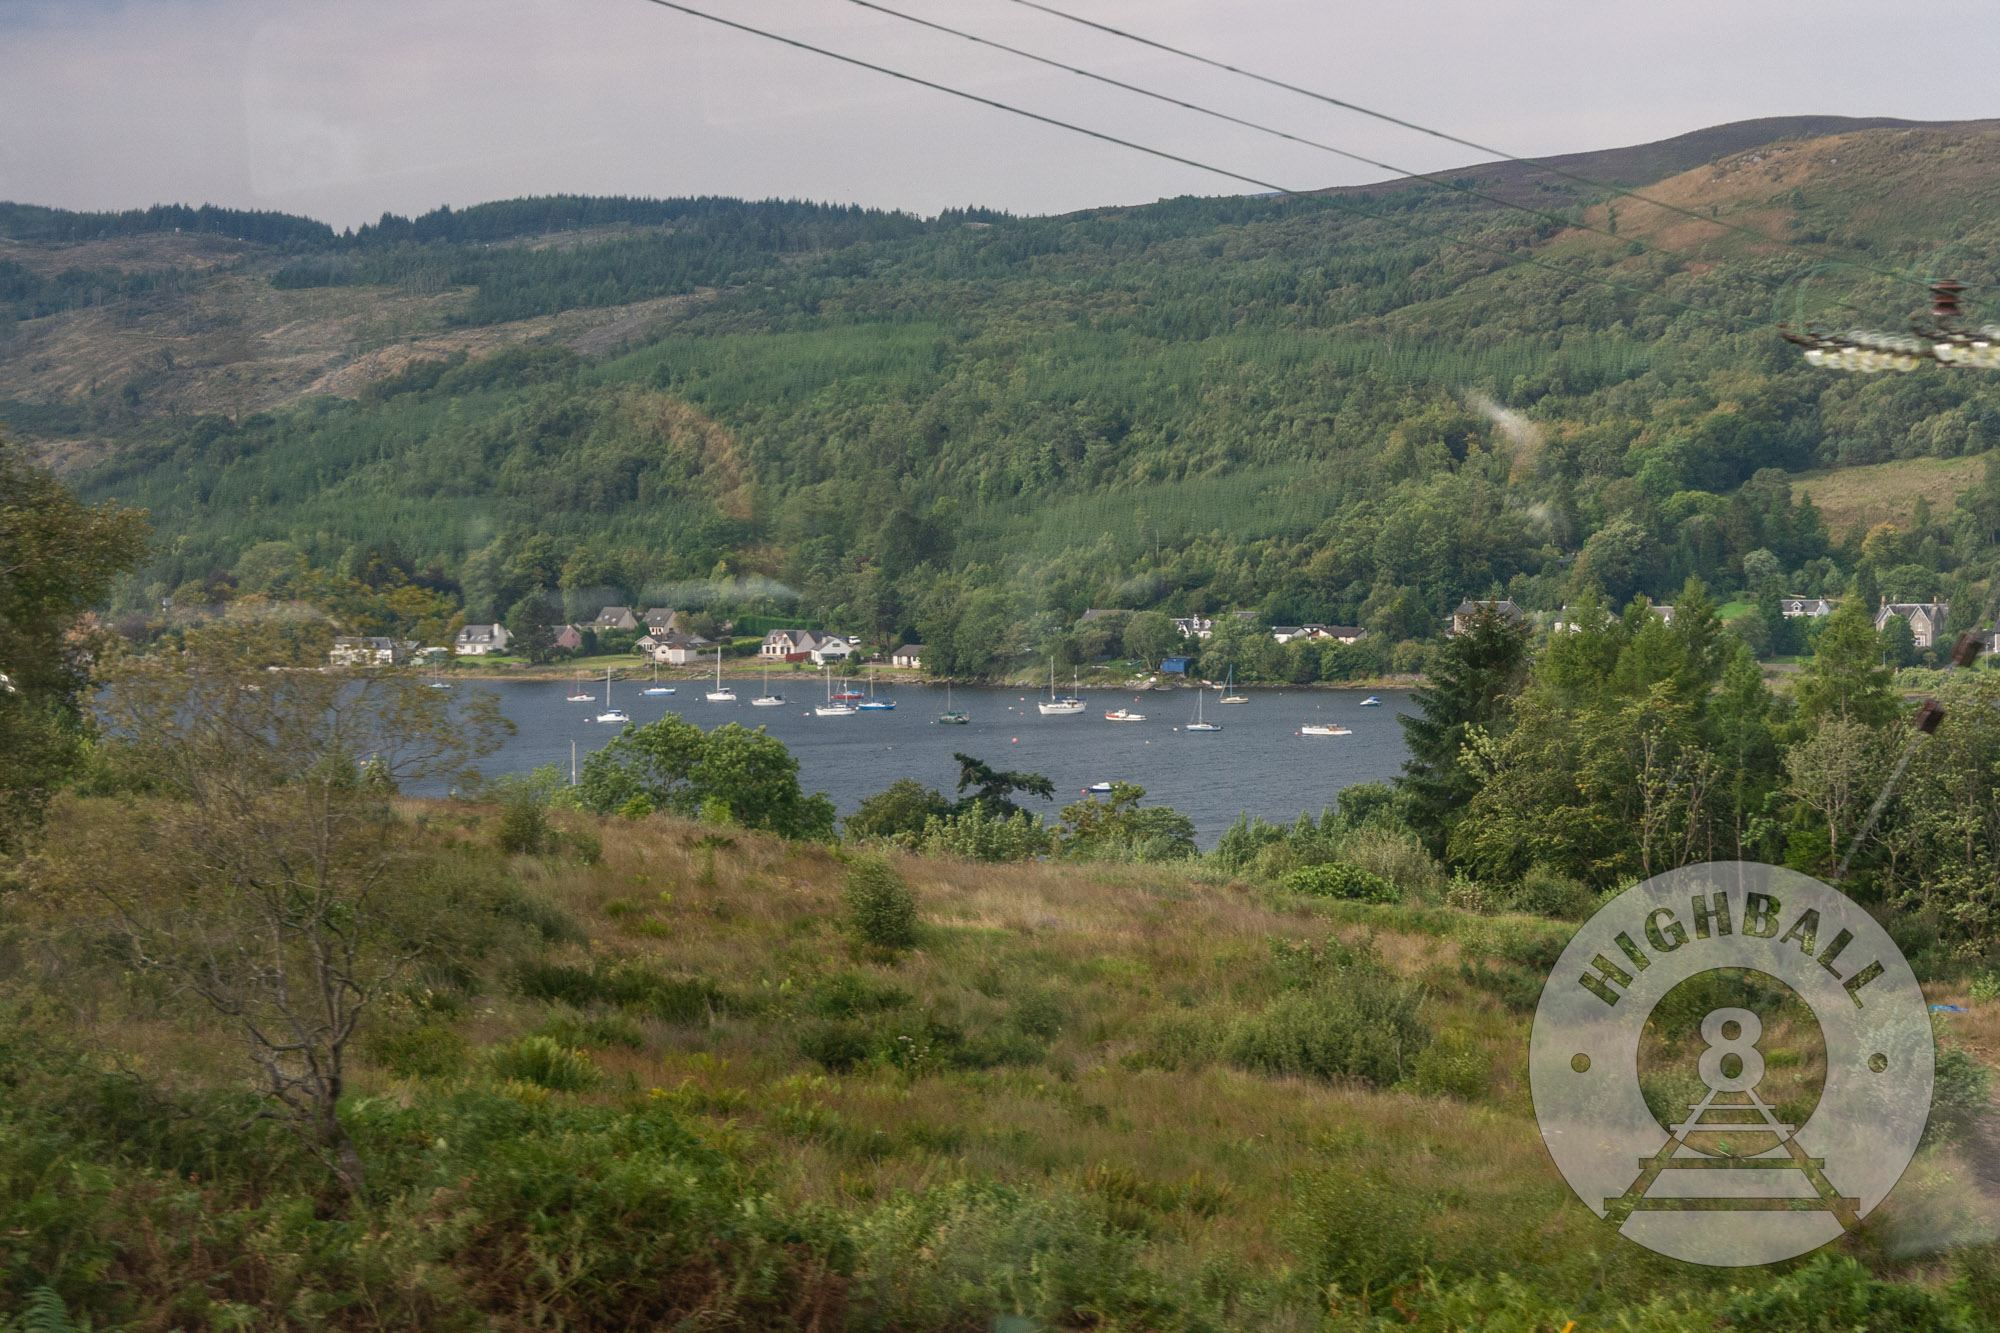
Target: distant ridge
1643, 164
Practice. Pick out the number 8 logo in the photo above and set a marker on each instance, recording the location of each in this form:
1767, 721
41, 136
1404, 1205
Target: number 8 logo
1725, 1046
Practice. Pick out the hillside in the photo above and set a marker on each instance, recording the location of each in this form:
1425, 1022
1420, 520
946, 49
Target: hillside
977, 425
670, 1081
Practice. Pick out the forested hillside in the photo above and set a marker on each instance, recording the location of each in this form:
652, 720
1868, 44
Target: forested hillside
1352, 409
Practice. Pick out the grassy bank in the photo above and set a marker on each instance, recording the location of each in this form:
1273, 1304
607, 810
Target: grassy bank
664, 1079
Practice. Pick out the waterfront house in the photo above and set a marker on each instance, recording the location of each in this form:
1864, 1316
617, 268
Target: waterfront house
569, 638
678, 649
787, 645
614, 618
481, 640
1813, 607
661, 619
833, 648
910, 655
353, 651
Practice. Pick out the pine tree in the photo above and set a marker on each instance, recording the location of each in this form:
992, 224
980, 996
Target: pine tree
1470, 681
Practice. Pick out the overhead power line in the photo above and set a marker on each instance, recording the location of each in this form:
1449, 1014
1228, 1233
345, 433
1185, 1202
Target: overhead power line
1445, 135
1511, 256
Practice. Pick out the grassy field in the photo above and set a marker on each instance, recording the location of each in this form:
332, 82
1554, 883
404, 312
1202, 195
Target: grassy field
1051, 1109
1888, 492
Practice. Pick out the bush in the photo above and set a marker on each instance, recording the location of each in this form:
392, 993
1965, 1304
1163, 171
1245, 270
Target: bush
1958, 1096
685, 1000
881, 909
1452, 1066
427, 1051
1355, 1234
594, 1032
544, 1063
1340, 880
1361, 1024
978, 836
1546, 892
1396, 857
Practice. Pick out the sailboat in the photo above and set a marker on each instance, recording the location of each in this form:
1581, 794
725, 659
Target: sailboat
951, 715
1317, 728
656, 687
578, 694
833, 707
1199, 724
721, 694
843, 692
767, 699
1054, 707
610, 714
874, 705
438, 682
1230, 696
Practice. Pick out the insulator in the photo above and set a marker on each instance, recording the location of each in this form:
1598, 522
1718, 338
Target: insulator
1930, 714
1968, 648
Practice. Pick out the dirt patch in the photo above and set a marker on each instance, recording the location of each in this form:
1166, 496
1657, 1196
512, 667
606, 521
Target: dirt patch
1888, 492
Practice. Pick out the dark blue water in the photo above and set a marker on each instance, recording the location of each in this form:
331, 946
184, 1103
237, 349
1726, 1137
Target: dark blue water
1259, 762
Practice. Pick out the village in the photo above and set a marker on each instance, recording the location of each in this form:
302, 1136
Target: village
620, 636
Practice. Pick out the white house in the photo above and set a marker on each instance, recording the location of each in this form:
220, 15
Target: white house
1926, 619
677, 649
1195, 627
909, 655
354, 651
1814, 607
833, 648
480, 640
787, 645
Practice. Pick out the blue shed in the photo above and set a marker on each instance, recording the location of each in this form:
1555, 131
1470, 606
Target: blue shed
1176, 665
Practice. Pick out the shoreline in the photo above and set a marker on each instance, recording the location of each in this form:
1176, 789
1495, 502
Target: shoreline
678, 676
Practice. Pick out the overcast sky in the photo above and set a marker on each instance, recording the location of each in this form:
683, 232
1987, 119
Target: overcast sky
344, 109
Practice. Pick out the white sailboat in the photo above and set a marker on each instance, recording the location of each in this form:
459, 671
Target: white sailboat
1230, 696
833, 707
721, 694
1199, 723
1317, 728
1054, 707
767, 699
578, 694
610, 714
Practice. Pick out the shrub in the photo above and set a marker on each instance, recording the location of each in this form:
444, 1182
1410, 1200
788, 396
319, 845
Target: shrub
1546, 892
1340, 880
545, 1063
1986, 988
1958, 1096
881, 909
1451, 1066
978, 836
1361, 1024
685, 1000
426, 1051
1355, 1233
1396, 857
594, 1032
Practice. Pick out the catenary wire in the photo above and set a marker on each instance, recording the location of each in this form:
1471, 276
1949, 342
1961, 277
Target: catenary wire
1273, 130
1511, 256
1437, 134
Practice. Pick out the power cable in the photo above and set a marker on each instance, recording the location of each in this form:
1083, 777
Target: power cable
1511, 256
1272, 130
1434, 133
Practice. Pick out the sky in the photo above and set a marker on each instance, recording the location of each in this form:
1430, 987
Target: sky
346, 109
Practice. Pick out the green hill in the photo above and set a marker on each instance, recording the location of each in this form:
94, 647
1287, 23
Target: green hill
1316, 407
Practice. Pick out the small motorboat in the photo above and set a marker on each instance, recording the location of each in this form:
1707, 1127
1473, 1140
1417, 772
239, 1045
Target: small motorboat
1371, 702
1320, 729
1098, 789
1124, 715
